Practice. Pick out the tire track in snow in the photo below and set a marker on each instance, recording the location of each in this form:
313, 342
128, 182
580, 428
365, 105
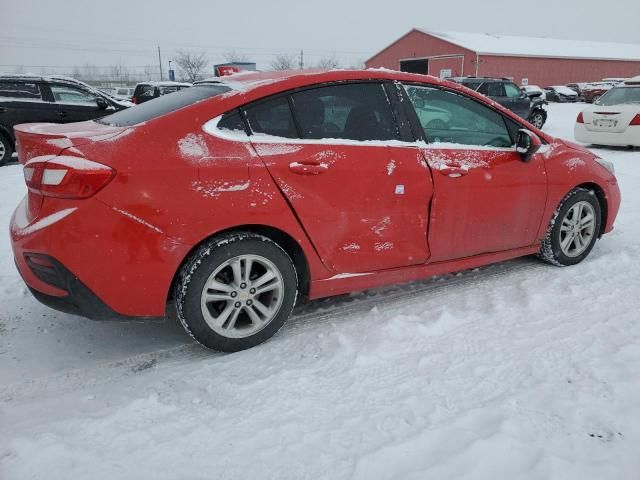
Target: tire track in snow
305, 317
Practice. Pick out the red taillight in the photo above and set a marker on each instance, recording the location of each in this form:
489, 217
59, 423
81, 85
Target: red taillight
134, 100
66, 177
580, 118
636, 120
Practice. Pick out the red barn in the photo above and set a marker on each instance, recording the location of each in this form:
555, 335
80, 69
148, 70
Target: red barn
528, 60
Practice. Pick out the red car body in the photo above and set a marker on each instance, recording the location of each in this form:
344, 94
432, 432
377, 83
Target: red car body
353, 215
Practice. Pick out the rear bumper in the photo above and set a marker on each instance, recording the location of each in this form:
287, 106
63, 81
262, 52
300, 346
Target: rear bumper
630, 137
100, 262
79, 299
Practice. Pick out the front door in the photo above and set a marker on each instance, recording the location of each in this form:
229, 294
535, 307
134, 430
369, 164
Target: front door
362, 198
486, 199
75, 105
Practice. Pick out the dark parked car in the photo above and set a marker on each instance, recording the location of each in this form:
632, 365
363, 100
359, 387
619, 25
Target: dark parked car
509, 95
561, 94
579, 89
146, 91
28, 99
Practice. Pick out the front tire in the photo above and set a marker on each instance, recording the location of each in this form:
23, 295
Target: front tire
236, 291
573, 230
538, 119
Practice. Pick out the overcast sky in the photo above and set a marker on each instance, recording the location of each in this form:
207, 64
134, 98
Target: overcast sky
44, 34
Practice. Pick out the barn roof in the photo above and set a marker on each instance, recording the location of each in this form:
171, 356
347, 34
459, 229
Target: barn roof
505, 45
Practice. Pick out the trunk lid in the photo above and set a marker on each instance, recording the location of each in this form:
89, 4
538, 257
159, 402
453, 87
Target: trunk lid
37, 139
614, 119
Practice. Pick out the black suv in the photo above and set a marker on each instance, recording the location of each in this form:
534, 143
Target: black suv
27, 98
509, 95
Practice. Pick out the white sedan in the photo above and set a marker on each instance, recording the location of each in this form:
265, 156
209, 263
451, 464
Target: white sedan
614, 119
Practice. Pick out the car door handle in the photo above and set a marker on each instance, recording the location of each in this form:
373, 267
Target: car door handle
453, 172
62, 114
308, 168
2, 109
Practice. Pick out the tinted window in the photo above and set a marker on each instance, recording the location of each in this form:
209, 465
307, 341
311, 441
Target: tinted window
163, 105
453, 118
66, 94
512, 91
491, 89
29, 91
272, 117
232, 121
147, 91
353, 112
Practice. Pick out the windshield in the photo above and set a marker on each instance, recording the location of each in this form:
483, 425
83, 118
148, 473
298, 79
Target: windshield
162, 105
619, 95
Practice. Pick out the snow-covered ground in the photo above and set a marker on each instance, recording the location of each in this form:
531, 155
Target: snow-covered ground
517, 370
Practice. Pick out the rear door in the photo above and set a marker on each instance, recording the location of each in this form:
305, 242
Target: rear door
486, 199
22, 102
360, 193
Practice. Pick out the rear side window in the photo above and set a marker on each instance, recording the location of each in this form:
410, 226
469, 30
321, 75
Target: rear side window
232, 121
19, 90
272, 117
162, 105
351, 111
67, 94
491, 89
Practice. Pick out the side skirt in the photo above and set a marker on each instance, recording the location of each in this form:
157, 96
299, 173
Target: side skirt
351, 282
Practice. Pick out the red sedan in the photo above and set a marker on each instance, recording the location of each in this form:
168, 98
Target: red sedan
236, 197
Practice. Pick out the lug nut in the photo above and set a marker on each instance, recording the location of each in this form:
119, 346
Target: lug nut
249, 302
252, 291
243, 285
238, 304
234, 294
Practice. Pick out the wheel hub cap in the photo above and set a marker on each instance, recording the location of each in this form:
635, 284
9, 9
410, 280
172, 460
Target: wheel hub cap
242, 296
577, 229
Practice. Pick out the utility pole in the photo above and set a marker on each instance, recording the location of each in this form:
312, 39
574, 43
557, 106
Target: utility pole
301, 59
160, 62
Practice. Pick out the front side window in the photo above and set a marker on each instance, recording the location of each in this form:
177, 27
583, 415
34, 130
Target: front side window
512, 91
67, 94
272, 117
19, 90
358, 111
449, 117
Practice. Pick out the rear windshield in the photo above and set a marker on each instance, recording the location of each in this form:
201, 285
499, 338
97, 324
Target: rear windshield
619, 95
162, 105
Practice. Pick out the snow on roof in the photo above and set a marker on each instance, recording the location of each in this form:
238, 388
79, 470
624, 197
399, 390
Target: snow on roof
505, 45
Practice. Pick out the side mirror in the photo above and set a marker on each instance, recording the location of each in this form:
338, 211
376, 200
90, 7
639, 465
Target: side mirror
527, 144
102, 103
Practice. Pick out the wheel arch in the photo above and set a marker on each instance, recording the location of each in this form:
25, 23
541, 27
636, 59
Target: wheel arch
602, 200
289, 244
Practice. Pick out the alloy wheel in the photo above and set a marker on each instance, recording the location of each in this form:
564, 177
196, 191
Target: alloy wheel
242, 296
577, 229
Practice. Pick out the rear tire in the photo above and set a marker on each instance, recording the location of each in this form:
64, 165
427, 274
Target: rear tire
6, 150
573, 230
236, 291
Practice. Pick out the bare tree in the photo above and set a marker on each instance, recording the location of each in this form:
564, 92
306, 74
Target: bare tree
150, 72
191, 64
235, 56
327, 63
283, 61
